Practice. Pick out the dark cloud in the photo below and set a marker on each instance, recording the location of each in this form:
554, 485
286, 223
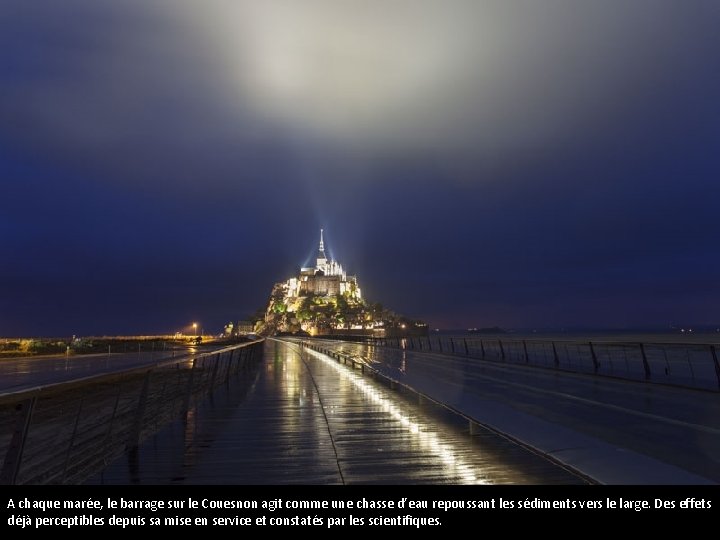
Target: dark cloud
524, 163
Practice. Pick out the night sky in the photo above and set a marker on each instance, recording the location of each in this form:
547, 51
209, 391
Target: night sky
524, 164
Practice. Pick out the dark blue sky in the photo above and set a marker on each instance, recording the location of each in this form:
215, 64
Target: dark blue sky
474, 163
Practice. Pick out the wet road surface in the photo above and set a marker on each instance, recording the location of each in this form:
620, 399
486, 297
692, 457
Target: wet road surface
302, 418
676, 426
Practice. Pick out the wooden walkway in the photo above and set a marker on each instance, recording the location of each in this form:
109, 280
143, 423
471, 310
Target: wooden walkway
301, 418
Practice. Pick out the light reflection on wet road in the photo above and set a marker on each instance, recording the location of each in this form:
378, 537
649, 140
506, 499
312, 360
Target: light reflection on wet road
674, 425
303, 418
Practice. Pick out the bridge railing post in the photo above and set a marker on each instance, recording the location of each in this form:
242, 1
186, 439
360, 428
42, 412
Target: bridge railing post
714, 354
134, 435
229, 365
215, 370
596, 363
188, 390
111, 422
13, 456
71, 442
646, 365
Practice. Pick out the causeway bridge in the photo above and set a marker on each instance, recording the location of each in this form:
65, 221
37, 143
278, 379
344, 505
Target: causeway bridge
450, 410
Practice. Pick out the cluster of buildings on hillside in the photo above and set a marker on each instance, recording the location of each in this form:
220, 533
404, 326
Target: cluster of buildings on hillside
326, 278
325, 300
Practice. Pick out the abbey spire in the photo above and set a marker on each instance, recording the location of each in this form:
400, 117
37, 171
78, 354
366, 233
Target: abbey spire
321, 258
323, 300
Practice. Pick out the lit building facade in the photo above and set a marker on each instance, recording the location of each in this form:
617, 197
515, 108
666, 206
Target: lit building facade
325, 300
326, 278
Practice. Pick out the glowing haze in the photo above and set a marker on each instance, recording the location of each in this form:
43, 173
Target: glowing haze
476, 162
483, 77
425, 73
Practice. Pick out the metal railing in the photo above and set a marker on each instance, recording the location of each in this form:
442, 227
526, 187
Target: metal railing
429, 403
693, 365
64, 433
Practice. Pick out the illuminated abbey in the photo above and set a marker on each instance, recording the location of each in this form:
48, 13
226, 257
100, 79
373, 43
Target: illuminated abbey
326, 278
325, 300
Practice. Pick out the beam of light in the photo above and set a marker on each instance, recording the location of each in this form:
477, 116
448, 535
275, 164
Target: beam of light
422, 433
411, 74
473, 80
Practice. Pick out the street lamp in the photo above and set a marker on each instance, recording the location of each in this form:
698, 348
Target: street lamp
195, 328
